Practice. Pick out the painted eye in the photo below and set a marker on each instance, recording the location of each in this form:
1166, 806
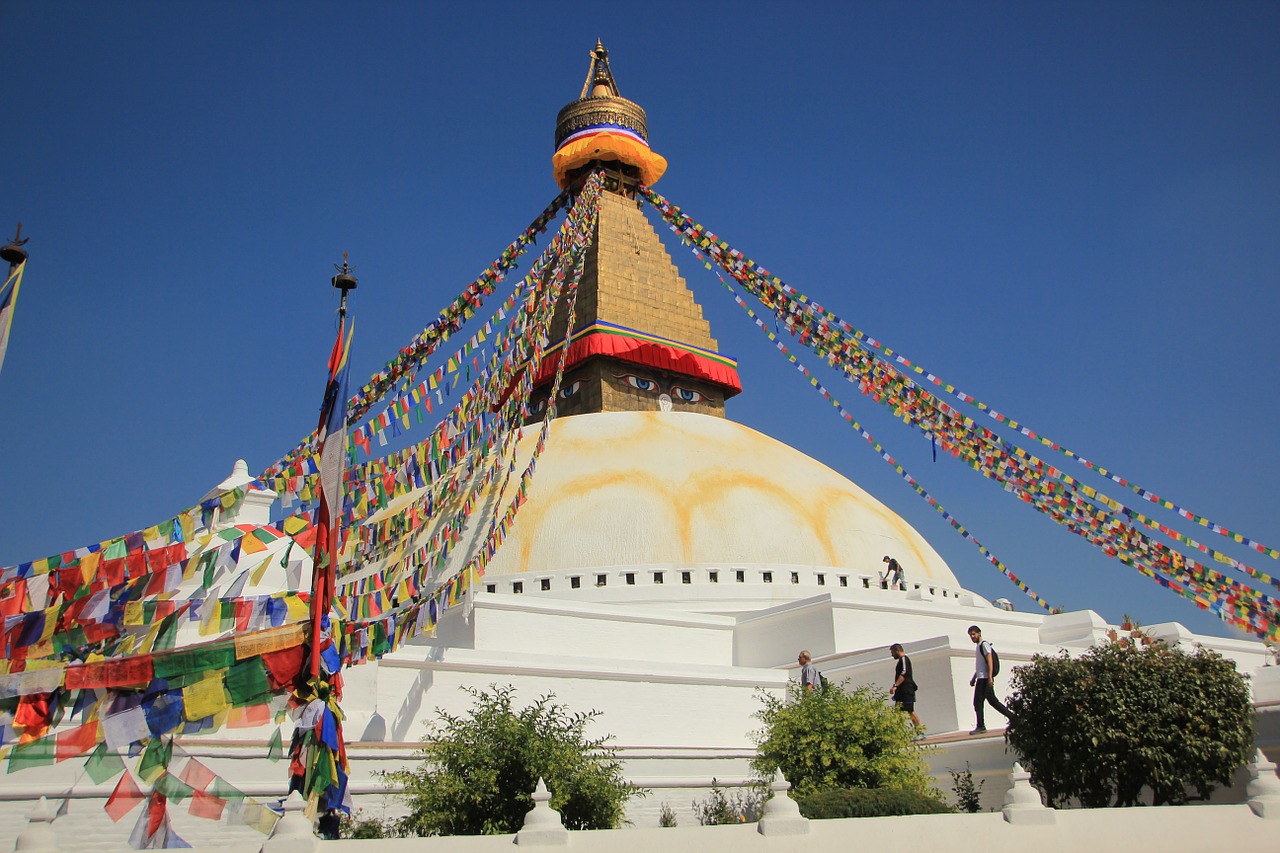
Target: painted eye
639, 382
569, 390
536, 408
687, 395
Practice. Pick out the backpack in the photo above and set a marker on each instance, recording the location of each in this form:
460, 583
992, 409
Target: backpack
822, 681
995, 662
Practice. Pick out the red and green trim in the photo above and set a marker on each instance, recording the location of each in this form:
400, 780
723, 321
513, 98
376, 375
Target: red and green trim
646, 350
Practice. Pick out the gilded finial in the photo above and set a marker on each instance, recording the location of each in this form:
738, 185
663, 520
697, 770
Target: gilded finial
599, 82
12, 252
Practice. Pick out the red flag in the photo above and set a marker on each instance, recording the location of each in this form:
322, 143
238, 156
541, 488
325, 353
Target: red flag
125, 796
33, 716
331, 448
77, 741
206, 806
196, 775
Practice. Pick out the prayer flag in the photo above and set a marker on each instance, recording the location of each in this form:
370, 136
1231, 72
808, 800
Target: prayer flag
275, 748
33, 753
155, 758
125, 796
196, 775
77, 741
103, 764
173, 788
332, 440
206, 806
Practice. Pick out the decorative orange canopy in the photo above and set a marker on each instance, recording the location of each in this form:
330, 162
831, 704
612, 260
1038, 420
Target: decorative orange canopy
601, 125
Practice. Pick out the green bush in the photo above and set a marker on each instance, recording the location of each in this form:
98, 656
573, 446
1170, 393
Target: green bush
831, 738
869, 802
479, 771
1101, 727
365, 828
968, 795
742, 806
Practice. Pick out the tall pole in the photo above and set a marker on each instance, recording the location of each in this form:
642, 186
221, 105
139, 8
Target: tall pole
16, 257
333, 414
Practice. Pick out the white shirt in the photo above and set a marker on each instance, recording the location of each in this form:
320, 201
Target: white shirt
981, 652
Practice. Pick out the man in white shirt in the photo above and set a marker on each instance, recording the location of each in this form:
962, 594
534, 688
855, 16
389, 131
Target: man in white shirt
983, 691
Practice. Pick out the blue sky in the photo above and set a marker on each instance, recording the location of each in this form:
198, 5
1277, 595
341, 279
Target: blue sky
1069, 210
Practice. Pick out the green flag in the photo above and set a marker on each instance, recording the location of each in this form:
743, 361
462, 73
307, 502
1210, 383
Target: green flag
320, 775
223, 790
33, 754
275, 749
103, 764
155, 758
194, 660
173, 787
247, 682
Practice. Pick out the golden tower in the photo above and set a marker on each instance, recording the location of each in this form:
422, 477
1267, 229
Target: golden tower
640, 342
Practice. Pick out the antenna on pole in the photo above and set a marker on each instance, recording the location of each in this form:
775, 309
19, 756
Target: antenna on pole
344, 281
13, 251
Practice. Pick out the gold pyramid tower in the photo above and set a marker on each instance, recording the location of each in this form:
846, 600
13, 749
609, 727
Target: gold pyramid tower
640, 342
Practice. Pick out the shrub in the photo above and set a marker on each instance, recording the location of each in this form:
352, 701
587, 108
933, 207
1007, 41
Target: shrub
365, 828
968, 795
742, 806
478, 772
869, 802
1100, 727
831, 738
667, 816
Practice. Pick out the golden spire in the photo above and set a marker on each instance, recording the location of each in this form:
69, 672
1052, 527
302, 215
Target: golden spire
599, 80
606, 129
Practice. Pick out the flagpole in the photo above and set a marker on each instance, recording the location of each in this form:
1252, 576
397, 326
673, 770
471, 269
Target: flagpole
324, 560
17, 257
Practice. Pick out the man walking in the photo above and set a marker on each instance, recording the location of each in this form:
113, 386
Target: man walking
903, 690
983, 676
809, 678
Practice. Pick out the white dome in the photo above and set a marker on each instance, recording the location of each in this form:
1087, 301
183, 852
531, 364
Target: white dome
638, 488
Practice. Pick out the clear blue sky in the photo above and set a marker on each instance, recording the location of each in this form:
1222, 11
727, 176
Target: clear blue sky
1070, 210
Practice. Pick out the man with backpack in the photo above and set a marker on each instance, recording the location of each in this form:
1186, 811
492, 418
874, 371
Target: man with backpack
810, 679
985, 671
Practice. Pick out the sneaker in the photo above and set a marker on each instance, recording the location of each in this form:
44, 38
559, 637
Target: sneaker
979, 730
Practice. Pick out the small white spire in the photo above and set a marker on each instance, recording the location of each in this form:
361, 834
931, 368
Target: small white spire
781, 814
542, 824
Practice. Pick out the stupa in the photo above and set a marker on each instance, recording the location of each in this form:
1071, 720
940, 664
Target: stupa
667, 564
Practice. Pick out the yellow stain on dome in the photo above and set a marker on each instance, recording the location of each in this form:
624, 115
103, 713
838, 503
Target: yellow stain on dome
635, 488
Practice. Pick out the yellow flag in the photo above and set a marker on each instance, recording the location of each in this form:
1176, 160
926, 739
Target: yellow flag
205, 697
295, 524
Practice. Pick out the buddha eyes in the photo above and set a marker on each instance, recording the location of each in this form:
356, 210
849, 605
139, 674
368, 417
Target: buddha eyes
687, 395
679, 393
569, 390
639, 382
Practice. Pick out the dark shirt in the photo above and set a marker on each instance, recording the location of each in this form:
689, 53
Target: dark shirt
906, 691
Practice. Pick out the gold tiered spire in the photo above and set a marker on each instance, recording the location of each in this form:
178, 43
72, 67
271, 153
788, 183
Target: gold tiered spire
640, 341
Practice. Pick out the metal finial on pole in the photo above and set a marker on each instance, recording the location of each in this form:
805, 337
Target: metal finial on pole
344, 281
13, 251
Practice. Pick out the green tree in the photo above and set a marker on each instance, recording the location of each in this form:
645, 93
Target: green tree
831, 738
478, 771
1100, 727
